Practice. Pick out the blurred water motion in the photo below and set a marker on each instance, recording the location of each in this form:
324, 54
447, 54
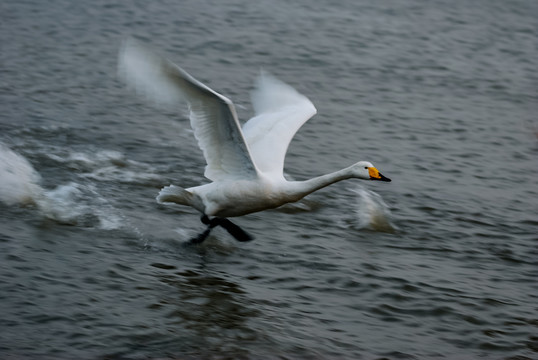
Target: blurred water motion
440, 263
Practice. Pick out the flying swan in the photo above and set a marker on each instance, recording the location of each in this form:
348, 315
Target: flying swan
245, 165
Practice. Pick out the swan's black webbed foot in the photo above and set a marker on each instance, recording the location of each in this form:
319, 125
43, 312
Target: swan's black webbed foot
234, 230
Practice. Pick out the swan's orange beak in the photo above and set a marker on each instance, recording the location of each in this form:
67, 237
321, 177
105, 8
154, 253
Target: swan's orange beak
376, 175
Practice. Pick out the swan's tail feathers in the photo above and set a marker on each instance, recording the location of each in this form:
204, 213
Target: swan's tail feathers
175, 194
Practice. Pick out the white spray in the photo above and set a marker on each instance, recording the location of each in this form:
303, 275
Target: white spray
372, 212
18, 179
70, 203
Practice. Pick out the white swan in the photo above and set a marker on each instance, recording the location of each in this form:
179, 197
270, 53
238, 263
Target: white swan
245, 165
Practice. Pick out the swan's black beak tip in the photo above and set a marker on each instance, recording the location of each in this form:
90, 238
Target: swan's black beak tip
376, 175
384, 178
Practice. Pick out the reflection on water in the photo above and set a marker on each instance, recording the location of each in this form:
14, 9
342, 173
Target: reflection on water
211, 312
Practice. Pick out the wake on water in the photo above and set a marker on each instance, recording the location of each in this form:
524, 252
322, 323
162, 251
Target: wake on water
81, 204
71, 203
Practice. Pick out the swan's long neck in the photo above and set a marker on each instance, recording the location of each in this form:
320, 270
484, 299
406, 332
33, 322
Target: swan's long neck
300, 189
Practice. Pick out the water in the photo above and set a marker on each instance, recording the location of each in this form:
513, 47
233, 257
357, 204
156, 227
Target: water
441, 263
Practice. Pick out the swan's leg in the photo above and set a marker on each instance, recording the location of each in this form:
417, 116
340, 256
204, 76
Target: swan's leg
201, 237
205, 220
234, 230
210, 225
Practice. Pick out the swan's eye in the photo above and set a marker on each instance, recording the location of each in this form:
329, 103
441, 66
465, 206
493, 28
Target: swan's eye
366, 167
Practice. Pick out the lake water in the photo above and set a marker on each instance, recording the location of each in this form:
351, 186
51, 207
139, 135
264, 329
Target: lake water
441, 96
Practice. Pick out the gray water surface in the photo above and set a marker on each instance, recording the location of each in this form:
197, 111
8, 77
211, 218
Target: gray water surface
441, 96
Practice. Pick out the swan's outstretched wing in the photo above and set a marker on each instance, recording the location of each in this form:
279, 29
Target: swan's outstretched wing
213, 117
280, 112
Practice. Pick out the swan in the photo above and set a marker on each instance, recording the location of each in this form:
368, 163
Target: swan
245, 165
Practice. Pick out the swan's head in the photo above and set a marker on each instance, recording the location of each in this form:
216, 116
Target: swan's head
365, 170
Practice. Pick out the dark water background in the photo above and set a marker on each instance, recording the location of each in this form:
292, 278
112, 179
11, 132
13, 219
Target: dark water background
441, 96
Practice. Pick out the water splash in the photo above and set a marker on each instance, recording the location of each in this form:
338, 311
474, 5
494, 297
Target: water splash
372, 212
18, 179
108, 165
71, 203
78, 204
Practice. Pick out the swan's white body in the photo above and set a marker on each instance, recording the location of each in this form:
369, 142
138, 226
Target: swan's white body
245, 165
